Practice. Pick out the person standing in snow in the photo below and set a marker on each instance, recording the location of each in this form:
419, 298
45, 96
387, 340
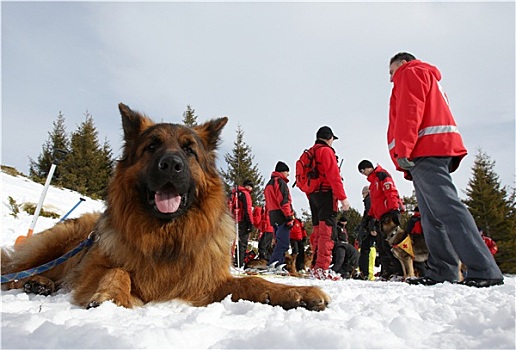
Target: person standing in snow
366, 240
324, 203
297, 243
425, 144
261, 219
278, 204
242, 209
385, 205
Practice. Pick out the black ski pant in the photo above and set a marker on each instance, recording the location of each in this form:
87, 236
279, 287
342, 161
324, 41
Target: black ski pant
365, 251
265, 246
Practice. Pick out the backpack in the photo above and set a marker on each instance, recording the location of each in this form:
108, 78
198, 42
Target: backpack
307, 175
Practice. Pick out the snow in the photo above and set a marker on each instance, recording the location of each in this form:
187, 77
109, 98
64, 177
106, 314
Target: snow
362, 314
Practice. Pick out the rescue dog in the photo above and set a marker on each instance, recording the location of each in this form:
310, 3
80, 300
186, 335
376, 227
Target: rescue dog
397, 240
165, 235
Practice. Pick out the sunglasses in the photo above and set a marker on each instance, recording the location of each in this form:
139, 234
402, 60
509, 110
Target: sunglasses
362, 171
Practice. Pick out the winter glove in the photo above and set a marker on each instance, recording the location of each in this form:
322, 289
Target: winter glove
290, 224
395, 215
405, 163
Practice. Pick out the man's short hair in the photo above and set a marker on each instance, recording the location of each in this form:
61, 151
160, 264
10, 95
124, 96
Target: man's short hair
402, 56
248, 183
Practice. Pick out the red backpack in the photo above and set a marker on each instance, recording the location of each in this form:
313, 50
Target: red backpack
307, 176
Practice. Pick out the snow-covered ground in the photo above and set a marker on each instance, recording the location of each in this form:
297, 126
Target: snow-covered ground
362, 314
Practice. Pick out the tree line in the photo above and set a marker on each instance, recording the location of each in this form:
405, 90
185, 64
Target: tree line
89, 164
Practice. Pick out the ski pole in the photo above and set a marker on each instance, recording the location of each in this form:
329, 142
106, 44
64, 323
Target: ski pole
57, 156
70, 211
237, 209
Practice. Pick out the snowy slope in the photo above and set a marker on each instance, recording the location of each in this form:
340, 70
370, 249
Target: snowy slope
363, 314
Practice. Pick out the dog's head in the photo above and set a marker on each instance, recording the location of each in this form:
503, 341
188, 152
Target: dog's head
170, 167
392, 232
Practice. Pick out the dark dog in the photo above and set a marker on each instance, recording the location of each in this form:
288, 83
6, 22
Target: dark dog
402, 244
166, 233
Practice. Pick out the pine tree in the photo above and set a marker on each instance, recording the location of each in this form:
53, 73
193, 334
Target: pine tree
189, 117
493, 210
410, 204
354, 218
88, 166
240, 167
57, 139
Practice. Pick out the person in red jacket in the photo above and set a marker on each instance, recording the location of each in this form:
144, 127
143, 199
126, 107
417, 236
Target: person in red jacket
490, 243
242, 210
297, 243
415, 229
261, 218
324, 203
278, 203
424, 142
385, 203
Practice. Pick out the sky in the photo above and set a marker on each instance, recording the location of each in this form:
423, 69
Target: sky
277, 70
361, 315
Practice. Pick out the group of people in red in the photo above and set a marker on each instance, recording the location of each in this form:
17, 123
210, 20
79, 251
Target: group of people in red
425, 144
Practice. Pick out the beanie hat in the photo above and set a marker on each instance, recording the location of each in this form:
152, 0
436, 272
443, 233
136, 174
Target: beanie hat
325, 133
281, 167
364, 165
248, 183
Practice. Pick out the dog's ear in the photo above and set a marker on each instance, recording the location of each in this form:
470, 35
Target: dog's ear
210, 131
133, 123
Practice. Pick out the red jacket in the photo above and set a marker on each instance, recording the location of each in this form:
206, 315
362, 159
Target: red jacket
329, 172
383, 193
277, 199
261, 219
414, 224
493, 248
297, 232
420, 121
246, 213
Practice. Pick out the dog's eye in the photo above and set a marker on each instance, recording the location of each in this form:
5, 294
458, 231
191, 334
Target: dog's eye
151, 147
189, 150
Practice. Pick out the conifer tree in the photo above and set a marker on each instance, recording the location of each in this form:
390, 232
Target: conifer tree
57, 139
189, 117
493, 210
240, 167
354, 218
88, 166
410, 204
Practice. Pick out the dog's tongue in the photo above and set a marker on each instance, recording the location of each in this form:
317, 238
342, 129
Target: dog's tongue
167, 202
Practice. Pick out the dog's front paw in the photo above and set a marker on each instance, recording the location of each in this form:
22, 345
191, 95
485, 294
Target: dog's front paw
119, 300
39, 287
310, 298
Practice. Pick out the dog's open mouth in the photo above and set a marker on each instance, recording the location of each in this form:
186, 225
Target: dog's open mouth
167, 200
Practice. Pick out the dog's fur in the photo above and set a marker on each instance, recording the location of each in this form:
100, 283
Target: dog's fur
395, 235
166, 233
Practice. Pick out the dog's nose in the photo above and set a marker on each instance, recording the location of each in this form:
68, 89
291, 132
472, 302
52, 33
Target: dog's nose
171, 163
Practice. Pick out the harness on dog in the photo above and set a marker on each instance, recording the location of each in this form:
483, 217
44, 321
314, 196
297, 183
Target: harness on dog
92, 238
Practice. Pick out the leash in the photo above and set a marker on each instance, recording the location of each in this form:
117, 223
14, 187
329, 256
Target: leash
45, 267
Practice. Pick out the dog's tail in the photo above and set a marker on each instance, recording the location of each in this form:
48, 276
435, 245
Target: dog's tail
48, 245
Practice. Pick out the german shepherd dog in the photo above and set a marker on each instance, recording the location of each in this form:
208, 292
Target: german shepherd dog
166, 232
395, 236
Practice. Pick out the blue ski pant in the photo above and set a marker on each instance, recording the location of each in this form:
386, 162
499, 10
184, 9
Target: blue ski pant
282, 244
